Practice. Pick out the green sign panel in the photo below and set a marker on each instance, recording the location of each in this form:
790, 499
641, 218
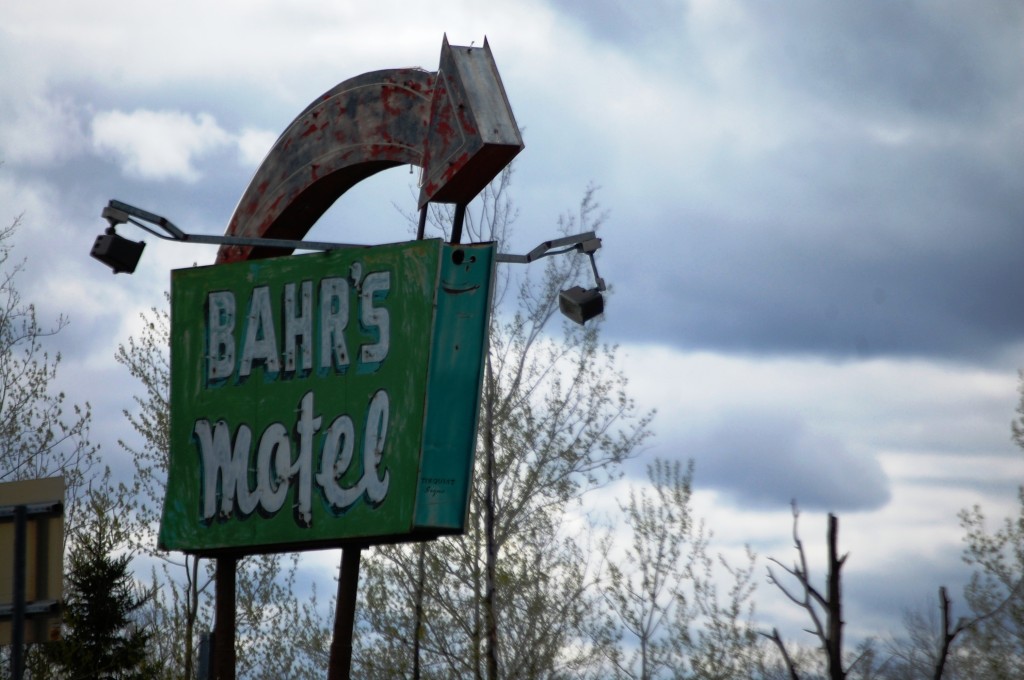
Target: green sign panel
323, 399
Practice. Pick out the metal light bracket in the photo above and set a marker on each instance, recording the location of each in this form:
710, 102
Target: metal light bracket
122, 255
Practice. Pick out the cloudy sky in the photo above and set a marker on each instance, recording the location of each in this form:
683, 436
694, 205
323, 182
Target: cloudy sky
815, 221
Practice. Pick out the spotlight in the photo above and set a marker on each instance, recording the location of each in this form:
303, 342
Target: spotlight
117, 252
581, 305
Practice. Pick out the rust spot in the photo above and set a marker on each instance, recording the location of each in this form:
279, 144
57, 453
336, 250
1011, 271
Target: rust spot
445, 131
468, 127
387, 97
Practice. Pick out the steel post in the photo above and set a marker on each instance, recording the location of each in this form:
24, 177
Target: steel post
340, 664
18, 619
224, 619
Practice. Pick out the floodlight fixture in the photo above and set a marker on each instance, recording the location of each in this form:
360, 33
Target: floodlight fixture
577, 303
581, 304
120, 254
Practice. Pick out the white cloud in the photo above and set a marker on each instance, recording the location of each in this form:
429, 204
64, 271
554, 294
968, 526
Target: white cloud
158, 145
895, 403
286, 48
38, 129
253, 145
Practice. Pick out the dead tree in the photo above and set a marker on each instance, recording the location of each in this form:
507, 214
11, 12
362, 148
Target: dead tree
825, 610
949, 633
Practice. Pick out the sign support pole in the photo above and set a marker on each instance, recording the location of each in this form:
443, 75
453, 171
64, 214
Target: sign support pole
18, 619
224, 619
457, 220
340, 664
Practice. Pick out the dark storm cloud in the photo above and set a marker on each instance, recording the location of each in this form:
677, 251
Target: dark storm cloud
889, 221
765, 460
915, 252
943, 59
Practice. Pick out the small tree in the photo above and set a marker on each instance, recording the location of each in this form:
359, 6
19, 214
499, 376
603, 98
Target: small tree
177, 607
991, 645
511, 597
101, 637
666, 619
40, 436
925, 652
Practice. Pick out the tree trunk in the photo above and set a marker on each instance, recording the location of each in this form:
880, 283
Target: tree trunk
224, 623
491, 549
834, 640
191, 611
340, 663
418, 626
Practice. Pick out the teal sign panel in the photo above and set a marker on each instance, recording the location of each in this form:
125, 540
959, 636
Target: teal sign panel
325, 399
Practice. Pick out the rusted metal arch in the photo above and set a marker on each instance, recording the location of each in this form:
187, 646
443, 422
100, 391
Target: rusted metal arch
366, 124
456, 123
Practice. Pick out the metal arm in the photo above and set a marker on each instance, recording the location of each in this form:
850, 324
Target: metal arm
587, 243
122, 255
117, 213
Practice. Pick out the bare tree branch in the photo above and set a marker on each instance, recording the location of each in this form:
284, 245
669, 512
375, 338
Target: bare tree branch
825, 611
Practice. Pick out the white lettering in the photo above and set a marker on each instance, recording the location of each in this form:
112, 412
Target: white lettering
298, 326
335, 461
306, 427
220, 357
375, 317
275, 450
260, 339
373, 448
333, 320
221, 459
307, 326
230, 462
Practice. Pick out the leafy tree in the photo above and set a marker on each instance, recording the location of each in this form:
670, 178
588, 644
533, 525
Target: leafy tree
41, 435
666, 618
511, 598
178, 579
994, 646
989, 643
102, 637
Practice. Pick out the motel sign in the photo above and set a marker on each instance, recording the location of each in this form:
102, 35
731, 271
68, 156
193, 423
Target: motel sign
326, 398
